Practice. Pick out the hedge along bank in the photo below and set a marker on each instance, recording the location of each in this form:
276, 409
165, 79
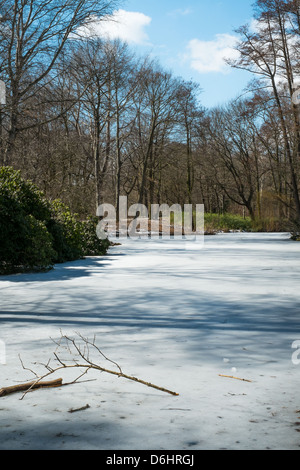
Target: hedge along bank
36, 233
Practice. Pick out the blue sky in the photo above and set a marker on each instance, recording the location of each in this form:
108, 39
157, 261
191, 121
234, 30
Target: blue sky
190, 38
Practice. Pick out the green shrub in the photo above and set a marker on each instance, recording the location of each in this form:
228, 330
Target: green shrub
74, 238
36, 233
25, 243
65, 229
226, 222
92, 245
30, 199
13, 232
38, 251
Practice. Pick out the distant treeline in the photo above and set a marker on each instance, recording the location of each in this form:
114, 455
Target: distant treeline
88, 120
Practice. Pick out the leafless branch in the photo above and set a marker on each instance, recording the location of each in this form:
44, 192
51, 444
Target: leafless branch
80, 350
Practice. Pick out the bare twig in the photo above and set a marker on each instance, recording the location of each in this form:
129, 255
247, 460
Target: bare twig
236, 378
81, 359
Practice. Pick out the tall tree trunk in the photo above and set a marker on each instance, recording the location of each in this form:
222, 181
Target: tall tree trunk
118, 167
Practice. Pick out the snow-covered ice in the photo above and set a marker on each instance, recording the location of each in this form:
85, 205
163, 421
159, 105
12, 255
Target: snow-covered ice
173, 315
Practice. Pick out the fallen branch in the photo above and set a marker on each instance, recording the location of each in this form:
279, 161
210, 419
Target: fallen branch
74, 410
29, 386
236, 378
84, 362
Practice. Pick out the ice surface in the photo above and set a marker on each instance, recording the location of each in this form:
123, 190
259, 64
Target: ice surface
172, 314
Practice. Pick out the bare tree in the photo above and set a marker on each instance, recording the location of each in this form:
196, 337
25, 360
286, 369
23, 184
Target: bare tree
124, 74
271, 52
33, 34
156, 109
235, 157
189, 116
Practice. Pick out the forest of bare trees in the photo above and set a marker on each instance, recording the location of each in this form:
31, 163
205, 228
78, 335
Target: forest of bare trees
87, 120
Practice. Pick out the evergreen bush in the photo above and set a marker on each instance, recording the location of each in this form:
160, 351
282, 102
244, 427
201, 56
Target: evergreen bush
36, 233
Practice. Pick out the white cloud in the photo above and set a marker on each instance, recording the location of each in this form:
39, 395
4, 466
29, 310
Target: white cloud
129, 26
254, 26
277, 61
180, 12
209, 56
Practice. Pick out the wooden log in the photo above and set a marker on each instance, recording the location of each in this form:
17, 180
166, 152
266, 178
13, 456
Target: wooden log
29, 386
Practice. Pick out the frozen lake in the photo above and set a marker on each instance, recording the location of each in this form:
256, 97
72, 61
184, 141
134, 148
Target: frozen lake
174, 315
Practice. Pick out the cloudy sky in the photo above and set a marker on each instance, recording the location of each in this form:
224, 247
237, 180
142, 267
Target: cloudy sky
189, 37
